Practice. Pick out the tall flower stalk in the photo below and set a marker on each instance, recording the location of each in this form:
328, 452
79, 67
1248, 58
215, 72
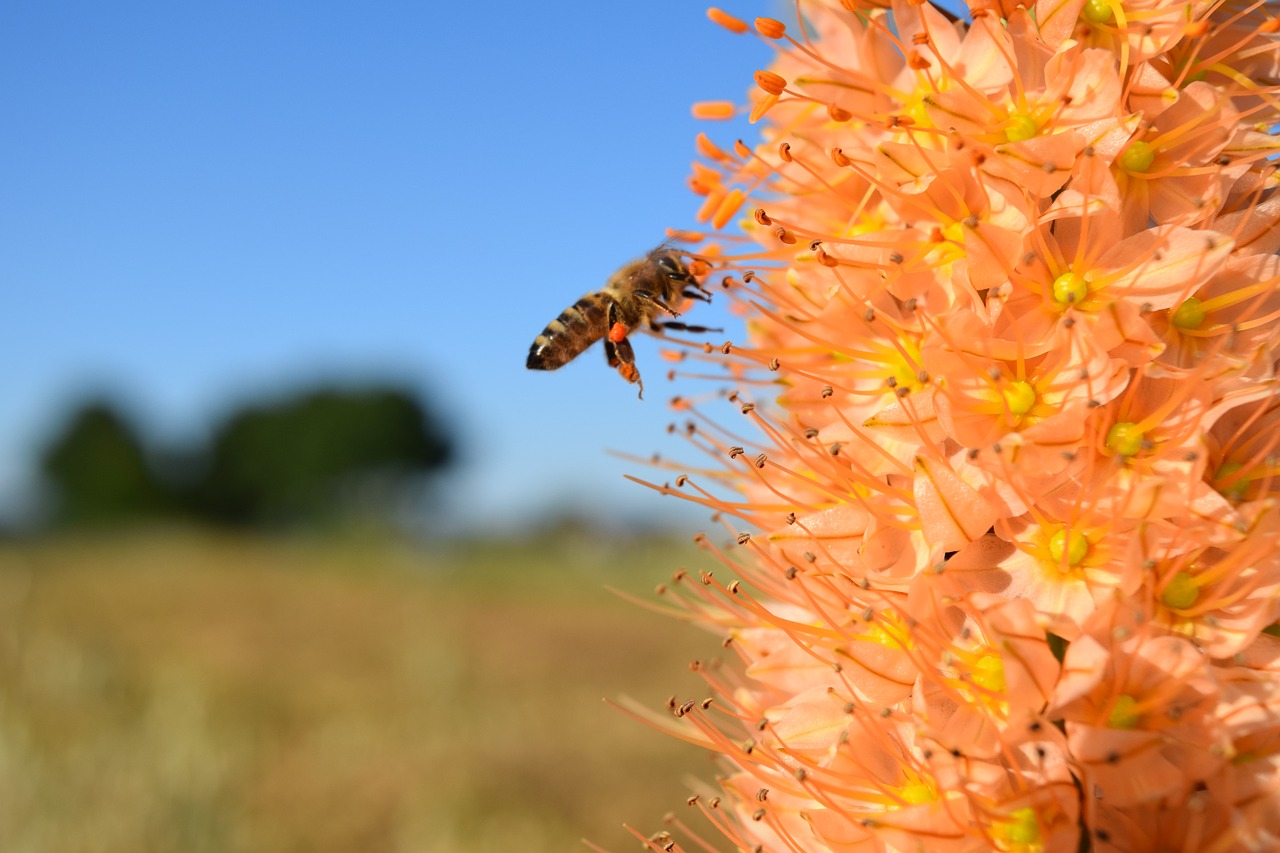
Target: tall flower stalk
1000, 470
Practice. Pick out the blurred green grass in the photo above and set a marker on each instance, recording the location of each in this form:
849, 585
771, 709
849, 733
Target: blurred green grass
183, 691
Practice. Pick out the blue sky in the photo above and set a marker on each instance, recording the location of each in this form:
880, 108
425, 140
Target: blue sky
203, 203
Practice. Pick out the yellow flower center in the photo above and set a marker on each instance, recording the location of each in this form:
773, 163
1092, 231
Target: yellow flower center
1189, 315
1069, 545
1125, 439
988, 673
1019, 396
1020, 126
1020, 831
1180, 592
1138, 157
1124, 714
1236, 487
1069, 288
1098, 12
915, 793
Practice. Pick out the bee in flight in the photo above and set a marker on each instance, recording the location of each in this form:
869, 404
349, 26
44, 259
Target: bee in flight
636, 295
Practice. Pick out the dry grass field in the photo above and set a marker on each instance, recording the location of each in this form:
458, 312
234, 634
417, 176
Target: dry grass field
182, 691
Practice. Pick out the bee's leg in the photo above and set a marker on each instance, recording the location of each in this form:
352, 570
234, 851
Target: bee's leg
618, 351
659, 326
627, 363
646, 296
696, 292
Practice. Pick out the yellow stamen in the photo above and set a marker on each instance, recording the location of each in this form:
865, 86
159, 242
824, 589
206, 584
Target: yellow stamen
1098, 12
1069, 288
1181, 592
1019, 396
1125, 439
1138, 157
1124, 714
1019, 127
1071, 545
1189, 315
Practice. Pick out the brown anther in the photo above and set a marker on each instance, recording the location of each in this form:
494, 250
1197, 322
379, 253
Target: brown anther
838, 114
760, 460
827, 391
784, 152
810, 557
920, 39
692, 801
733, 587
749, 276
735, 451
748, 408
774, 364
838, 157
772, 83
761, 217
726, 347
705, 577
811, 433
681, 480
903, 392
744, 538
869, 315
706, 703
771, 28
791, 572
758, 814
784, 236
834, 449
896, 258
762, 795
791, 518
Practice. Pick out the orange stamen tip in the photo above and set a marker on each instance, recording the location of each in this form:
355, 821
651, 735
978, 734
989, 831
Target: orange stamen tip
728, 208
772, 83
692, 237
763, 106
709, 149
1271, 26
762, 217
617, 333
699, 267
838, 157
729, 22
714, 110
1195, 29
740, 148
918, 61
771, 28
838, 114
711, 205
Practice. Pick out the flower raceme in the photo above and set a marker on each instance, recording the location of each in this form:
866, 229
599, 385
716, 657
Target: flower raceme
1006, 502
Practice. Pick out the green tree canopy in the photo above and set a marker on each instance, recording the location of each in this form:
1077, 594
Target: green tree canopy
97, 471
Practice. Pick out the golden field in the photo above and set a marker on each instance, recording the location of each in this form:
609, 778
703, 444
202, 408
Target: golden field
183, 691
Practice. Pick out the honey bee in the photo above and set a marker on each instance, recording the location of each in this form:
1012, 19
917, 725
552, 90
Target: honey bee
636, 295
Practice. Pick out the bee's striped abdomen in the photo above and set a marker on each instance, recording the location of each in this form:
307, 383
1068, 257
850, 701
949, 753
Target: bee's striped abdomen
578, 327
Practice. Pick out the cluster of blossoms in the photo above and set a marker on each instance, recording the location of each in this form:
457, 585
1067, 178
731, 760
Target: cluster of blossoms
1005, 491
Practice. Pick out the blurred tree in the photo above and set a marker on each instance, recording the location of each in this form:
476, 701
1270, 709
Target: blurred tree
97, 470
321, 454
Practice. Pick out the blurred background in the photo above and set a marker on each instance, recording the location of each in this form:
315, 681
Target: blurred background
294, 552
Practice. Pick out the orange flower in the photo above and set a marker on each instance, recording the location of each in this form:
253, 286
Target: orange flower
1000, 492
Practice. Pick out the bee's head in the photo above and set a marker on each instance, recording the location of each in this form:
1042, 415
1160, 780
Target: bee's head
671, 265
